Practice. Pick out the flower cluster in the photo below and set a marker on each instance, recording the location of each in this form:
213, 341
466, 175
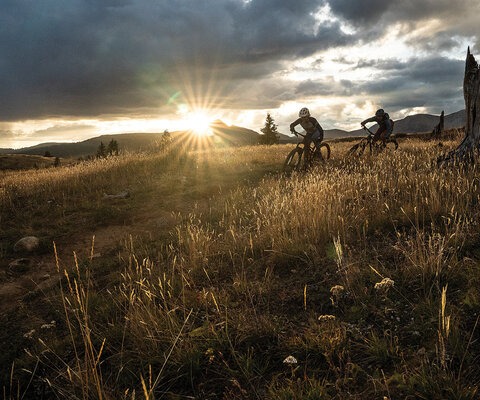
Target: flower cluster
384, 285
337, 290
51, 325
337, 293
326, 318
29, 334
210, 353
290, 360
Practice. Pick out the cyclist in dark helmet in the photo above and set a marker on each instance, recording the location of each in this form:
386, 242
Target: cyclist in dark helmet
314, 132
385, 125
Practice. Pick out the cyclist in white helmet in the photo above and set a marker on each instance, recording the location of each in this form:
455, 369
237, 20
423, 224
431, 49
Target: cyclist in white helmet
311, 126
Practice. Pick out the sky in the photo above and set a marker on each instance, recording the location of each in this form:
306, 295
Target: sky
75, 69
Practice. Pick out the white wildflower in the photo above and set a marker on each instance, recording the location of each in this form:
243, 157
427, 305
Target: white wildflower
337, 292
384, 284
326, 317
290, 360
29, 334
51, 325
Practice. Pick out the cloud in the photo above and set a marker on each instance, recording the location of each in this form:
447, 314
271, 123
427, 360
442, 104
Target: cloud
432, 81
141, 58
94, 57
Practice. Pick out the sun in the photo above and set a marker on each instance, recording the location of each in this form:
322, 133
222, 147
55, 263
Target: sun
198, 122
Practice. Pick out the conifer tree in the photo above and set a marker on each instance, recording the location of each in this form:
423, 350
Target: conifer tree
270, 132
101, 151
112, 149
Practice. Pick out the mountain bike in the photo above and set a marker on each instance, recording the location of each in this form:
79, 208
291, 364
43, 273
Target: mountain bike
300, 158
367, 143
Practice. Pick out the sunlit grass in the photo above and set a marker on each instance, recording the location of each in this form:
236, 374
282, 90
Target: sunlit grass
244, 278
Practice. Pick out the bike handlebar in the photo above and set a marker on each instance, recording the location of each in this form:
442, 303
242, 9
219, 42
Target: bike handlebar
297, 133
368, 130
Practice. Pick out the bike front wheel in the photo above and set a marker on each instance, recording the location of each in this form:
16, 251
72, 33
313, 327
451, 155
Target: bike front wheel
357, 150
320, 153
391, 144
293, 160
324, 151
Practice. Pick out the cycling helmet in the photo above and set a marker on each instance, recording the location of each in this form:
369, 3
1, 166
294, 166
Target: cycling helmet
380, 112
304, 112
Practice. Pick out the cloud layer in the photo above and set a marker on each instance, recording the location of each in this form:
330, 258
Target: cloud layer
94, 58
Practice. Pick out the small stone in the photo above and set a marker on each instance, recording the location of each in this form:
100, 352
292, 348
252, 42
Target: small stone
122, 195
28, 244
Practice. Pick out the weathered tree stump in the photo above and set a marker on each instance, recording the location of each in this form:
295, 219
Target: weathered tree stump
438, 130
471, 92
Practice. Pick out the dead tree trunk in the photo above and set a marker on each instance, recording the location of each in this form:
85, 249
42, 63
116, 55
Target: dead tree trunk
471, 92
438, 130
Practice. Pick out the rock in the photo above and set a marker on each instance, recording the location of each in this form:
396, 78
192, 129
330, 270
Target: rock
28, 244
121, 195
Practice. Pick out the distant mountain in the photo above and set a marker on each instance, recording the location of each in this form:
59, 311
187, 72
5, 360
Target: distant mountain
421, 123
233, 135
126, 141
328, 134
223, 134
226, 135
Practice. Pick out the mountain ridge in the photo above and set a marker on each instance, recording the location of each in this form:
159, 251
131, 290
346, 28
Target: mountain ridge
225, 134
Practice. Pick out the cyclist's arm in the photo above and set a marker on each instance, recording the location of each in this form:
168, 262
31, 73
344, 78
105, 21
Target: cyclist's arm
294, 124
372, 119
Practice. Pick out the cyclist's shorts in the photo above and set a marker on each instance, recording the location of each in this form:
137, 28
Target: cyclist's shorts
317, 135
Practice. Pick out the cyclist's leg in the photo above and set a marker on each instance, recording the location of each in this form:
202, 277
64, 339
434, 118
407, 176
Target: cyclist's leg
317, 138
307, 140
383, 137
377, 135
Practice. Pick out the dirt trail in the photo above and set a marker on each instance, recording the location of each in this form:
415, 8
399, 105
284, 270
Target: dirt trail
152, 214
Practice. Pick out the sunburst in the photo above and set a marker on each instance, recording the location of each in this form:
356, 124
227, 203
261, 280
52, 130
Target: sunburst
198, 122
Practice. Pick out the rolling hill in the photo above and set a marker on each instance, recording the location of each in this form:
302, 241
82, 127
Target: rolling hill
225, 135
421, 123
228, 135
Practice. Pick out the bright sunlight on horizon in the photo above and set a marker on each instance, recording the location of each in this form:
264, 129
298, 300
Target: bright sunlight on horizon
198, 121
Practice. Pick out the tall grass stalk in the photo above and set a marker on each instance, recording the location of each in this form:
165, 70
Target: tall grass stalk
267, 248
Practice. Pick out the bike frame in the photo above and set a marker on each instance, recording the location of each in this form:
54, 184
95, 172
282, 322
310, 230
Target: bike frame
368, 141
302, 143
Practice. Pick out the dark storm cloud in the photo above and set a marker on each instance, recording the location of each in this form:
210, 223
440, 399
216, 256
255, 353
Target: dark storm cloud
90, 57
372, 18
418, 82
360, 12
325, 87
123, 57
415, 72
386, 11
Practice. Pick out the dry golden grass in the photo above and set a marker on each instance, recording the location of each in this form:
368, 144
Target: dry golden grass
212, 307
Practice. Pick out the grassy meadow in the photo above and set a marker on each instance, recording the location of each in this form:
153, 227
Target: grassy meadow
227, 279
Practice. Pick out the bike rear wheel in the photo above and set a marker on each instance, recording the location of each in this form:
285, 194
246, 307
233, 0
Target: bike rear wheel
293, 161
